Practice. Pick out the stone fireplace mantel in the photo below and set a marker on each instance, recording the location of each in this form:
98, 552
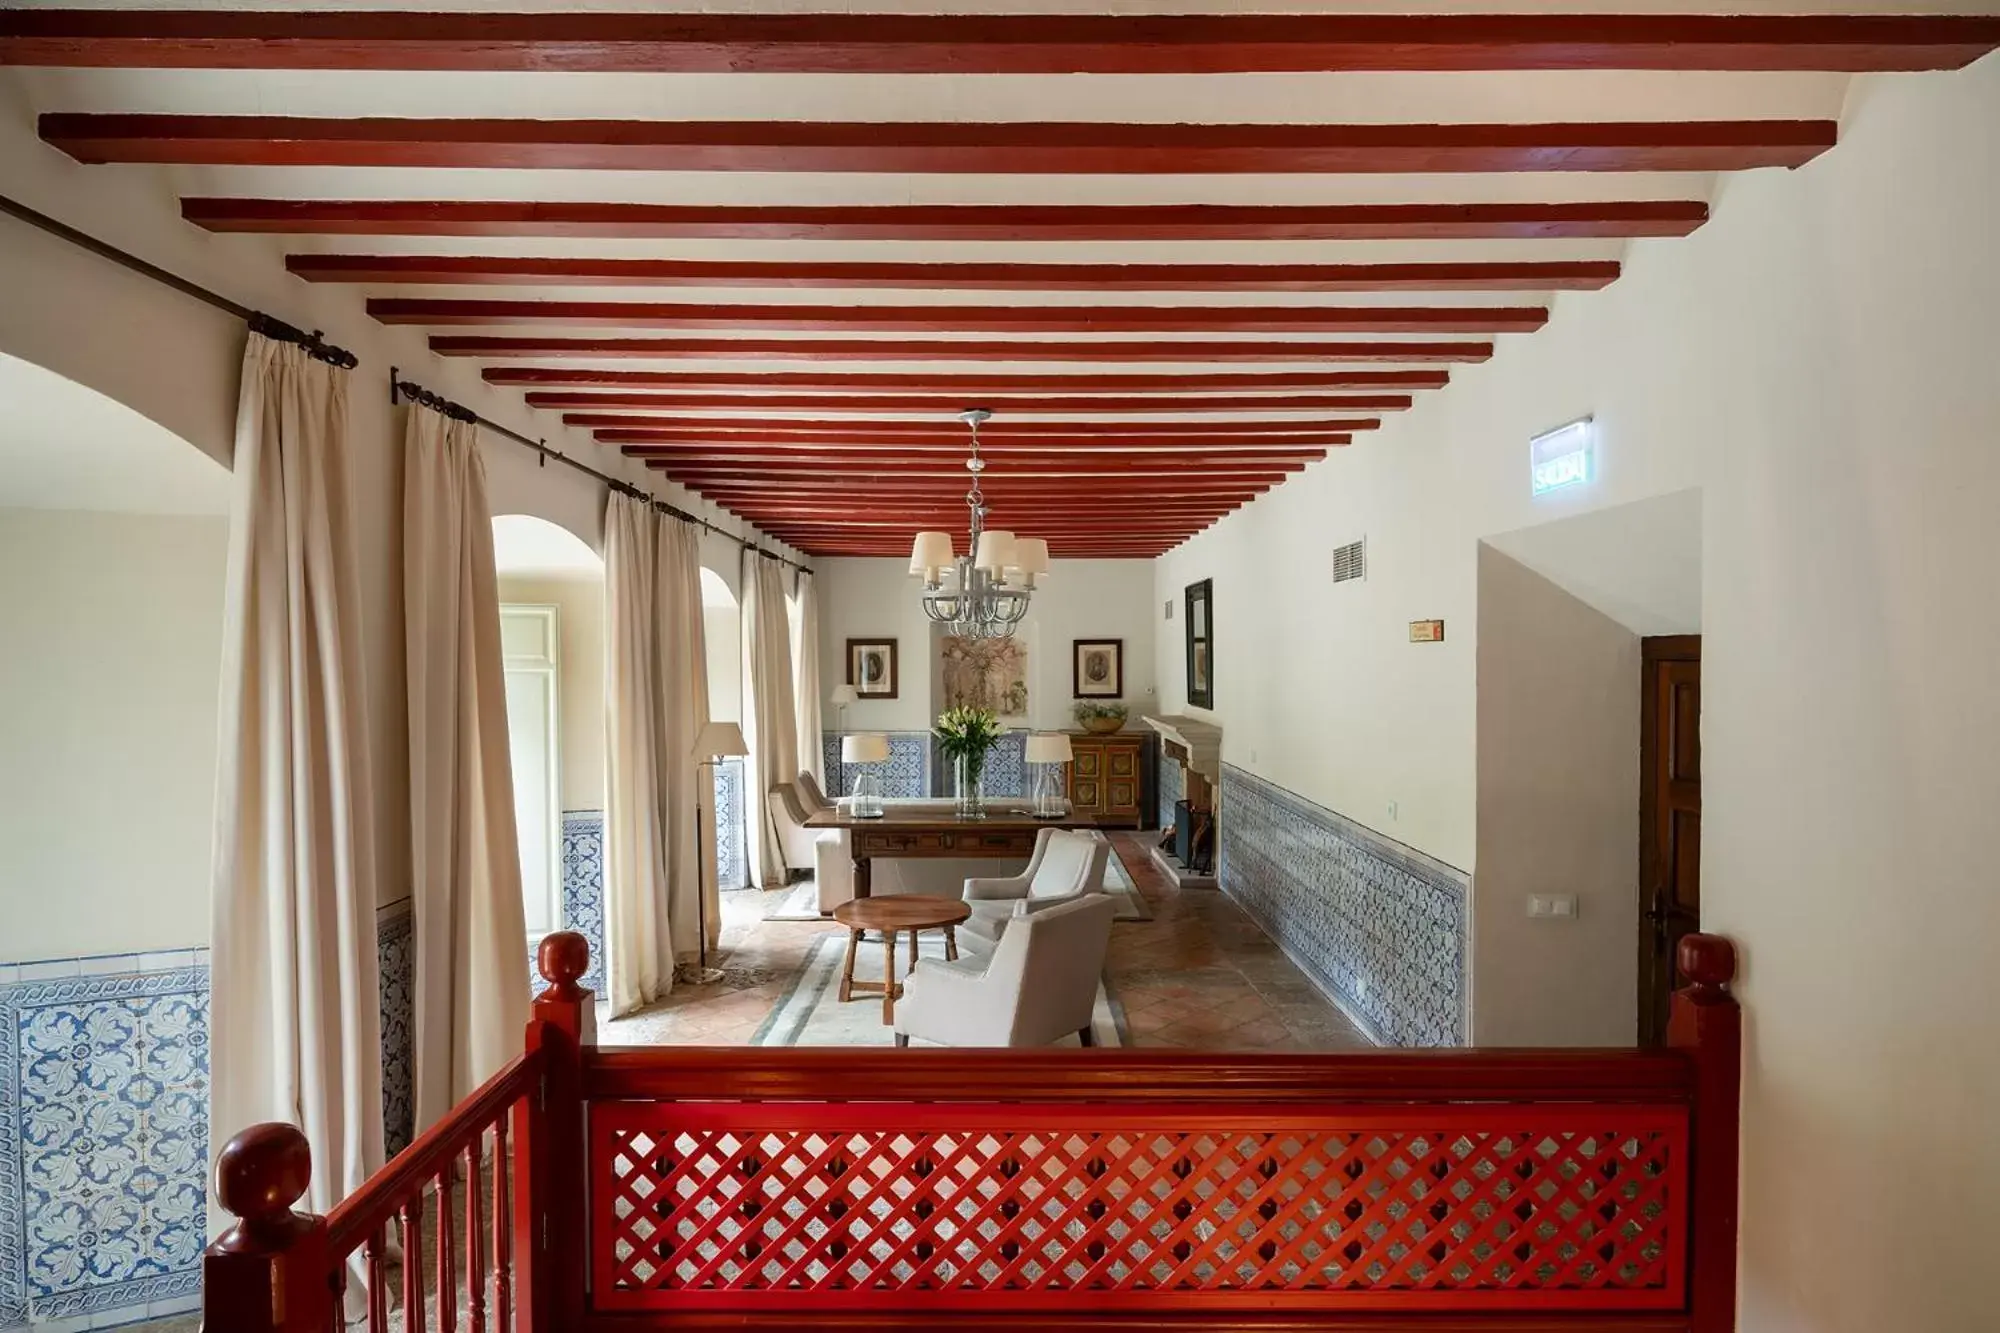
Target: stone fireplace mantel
1200, 741
1196, 748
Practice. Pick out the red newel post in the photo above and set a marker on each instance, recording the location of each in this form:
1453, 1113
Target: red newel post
1706, 1022
549, 1147
269, 1272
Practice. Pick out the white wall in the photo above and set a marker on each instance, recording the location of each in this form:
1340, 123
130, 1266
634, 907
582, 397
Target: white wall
1558, 709
1080, 599
579, 604
1819, 359
113, 632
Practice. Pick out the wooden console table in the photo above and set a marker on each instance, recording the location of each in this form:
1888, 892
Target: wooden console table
937, 834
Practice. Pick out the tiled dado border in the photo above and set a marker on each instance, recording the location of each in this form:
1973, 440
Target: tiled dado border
1379, 926
104, 1133
916, 769
103, 1138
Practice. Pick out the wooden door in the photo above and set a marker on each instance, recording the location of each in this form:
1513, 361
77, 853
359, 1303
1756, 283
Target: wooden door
1669, 819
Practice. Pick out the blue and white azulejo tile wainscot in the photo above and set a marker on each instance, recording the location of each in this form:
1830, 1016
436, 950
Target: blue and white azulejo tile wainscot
1380, 926
103, 1137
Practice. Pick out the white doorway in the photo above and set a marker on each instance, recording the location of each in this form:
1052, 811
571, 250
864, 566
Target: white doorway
530, 647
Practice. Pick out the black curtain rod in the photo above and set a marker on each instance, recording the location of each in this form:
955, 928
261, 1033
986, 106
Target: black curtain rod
269, 326
400, 388
316, 346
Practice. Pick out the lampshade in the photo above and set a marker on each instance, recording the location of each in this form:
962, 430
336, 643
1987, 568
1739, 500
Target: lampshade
996, 551
932, 551
1031, 555
719, 739
1048, 747
864, 747
843, 695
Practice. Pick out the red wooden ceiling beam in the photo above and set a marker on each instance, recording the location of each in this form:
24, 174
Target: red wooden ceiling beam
946, 349
868, 473
986, 43
685, 407
1013, 465
954, 147
952, 222
951, 436
510, 270
687, 451
1165, 383
954, 518
1015, 319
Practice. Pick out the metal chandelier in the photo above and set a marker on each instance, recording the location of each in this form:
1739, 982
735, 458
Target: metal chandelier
984, 593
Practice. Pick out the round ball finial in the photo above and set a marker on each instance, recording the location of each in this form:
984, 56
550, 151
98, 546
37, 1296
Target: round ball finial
562, 958
1709, 964
262, 1172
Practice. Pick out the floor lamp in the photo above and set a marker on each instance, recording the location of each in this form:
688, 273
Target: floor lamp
718, 740
843, 695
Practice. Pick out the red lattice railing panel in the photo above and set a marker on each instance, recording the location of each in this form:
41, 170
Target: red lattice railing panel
763, 1205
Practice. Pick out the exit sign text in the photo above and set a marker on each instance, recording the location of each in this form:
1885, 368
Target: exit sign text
1566, 456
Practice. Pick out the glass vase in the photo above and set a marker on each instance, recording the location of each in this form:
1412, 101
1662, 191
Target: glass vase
967, 772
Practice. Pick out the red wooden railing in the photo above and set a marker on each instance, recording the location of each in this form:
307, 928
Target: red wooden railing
711, 1188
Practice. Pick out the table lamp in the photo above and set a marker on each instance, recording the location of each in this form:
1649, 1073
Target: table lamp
866, 748
718, 740
1050, 751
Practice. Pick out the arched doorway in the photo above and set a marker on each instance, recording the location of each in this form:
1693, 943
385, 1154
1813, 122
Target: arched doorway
551, 588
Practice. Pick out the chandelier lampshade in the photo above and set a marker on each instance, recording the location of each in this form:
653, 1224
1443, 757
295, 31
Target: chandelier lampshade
932, 554
996, 552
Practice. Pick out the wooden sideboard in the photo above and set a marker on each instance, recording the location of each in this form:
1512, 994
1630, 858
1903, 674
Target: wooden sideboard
1107, 776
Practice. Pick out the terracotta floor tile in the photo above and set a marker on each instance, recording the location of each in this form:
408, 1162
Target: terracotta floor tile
1200, 973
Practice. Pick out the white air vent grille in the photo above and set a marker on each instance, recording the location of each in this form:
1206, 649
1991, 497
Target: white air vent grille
1350, 562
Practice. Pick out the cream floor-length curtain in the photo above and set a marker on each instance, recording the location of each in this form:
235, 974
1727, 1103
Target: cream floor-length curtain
471, 981
295, 1018
684, 687
805, 677
770, 725
656, 702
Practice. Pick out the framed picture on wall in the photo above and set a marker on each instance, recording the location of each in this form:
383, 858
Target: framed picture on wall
1200, 644
1097, 668
871, 668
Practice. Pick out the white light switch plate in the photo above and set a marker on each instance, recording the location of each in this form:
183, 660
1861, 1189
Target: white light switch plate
1552, 905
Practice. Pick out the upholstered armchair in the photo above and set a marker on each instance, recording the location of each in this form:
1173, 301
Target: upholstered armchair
1038, 985
1066, 865
789, 813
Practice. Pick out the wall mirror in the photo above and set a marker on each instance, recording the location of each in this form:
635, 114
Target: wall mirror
1200, 651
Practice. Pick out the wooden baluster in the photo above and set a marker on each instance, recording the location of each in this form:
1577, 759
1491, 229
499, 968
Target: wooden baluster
503, 1238
1706, 1022
549, 1154
475, 1260
447, 1280
378, 1296
270, 1272
413, 1265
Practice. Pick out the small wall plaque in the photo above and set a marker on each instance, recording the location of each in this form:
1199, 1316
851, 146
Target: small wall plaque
1426, 631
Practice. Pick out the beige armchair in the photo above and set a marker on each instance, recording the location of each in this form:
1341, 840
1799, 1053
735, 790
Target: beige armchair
1066, 865
790, 807
1039, 985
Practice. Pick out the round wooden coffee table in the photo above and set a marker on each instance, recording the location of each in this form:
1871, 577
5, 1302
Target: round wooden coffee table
911, 912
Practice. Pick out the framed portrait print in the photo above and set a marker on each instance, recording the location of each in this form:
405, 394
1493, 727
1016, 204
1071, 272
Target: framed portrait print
1200, 644
1097, 668
871, 668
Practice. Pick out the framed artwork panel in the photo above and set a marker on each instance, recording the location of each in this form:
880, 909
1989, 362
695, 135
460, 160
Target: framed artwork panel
1097, 668
871, 668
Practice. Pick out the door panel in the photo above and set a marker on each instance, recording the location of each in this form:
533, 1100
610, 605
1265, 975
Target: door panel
1669, 819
